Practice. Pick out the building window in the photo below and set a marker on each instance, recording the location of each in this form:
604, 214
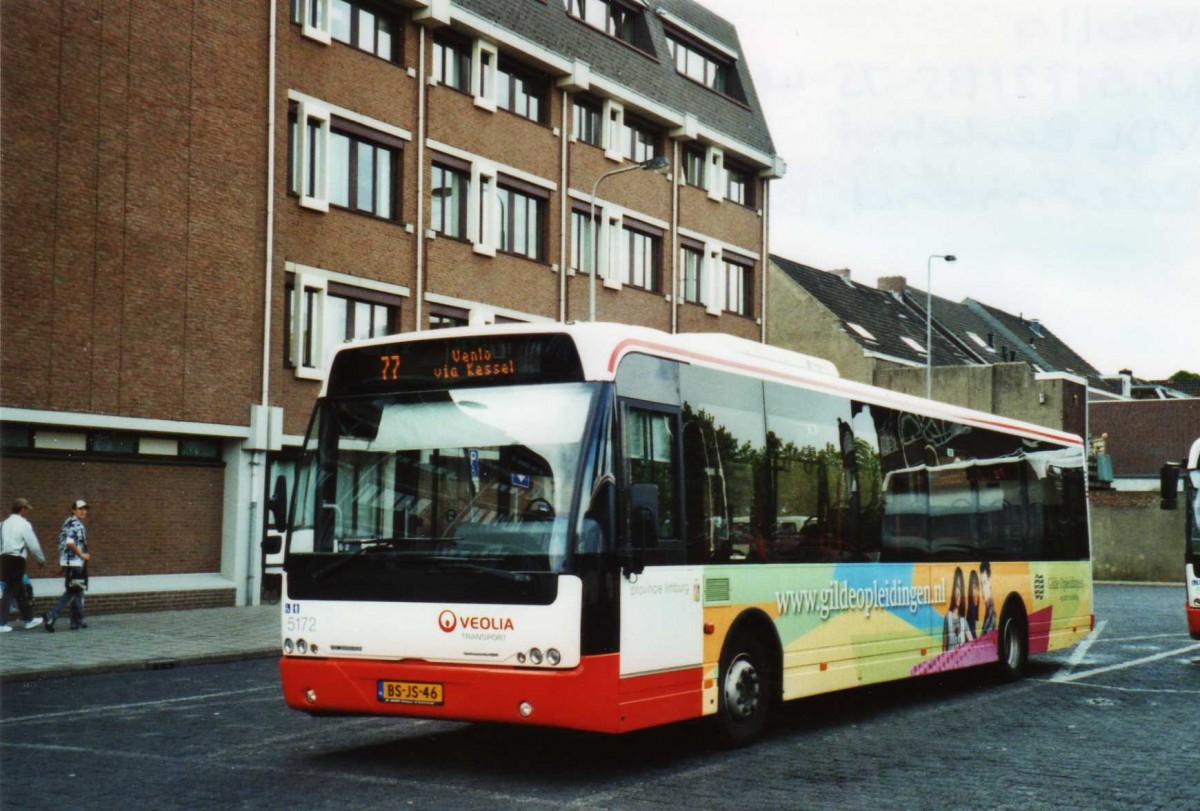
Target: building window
582, 247
520, 92
324, 314
737, 283
363, 26
452, 62
585, 121
691, 260
443, 317
642, 252
739, 184
521, 224
343, 163
614, 18
693, 167
449, 201
362, 174
639, 142
704, 66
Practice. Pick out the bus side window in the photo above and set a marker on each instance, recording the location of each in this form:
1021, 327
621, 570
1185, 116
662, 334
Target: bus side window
650, 459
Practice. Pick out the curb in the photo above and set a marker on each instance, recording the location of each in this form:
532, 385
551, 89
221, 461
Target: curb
166, 663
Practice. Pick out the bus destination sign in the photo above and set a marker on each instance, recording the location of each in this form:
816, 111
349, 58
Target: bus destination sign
439, 363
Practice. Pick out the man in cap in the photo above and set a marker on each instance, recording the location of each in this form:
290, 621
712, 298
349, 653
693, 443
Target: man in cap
73, 557
17, 539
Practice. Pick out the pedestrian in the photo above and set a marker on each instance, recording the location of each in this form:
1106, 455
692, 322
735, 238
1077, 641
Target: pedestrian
17, 539
73, 557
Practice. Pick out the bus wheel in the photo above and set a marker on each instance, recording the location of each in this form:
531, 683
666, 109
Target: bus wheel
745, 697
1014, 646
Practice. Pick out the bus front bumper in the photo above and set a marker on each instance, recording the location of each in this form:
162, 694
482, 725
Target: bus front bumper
590, 697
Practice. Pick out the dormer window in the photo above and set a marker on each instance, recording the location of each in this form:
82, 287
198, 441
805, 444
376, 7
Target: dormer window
704, 64
617, 18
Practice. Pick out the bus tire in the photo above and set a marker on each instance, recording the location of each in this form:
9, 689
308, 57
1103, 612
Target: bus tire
744, 695
1013, 646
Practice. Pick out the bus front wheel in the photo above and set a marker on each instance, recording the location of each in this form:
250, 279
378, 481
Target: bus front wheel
745, 694
1014, 646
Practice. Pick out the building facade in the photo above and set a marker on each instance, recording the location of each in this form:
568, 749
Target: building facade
200, 201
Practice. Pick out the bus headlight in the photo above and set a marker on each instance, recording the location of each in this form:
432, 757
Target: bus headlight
553, 657
301, 646
288, 646
535, 656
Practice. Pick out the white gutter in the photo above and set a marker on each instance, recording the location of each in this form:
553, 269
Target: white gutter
270, 257
675, 176
564, 208
765, 263
421, 134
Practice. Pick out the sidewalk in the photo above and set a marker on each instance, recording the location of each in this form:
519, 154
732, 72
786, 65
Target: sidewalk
115, 642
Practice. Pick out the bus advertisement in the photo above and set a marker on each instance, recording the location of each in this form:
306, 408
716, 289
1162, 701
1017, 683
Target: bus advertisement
607, 528
1189, 471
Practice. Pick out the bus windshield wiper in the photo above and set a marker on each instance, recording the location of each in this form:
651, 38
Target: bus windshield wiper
459, 563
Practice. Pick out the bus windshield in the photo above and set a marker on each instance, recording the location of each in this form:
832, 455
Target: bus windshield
477, 479
1193, 493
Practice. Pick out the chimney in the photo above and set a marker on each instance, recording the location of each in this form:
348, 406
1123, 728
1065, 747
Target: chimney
892, 284
844, 275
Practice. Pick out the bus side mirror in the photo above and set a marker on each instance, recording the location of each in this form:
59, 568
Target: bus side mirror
643, 509
1169, 486
272, 544
277, 505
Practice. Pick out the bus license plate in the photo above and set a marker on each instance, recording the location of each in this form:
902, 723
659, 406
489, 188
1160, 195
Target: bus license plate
410, 692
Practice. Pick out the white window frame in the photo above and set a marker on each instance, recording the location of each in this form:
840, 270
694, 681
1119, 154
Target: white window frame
309, 110
319, 32
612, 125
317, 279
714, 173
485, 97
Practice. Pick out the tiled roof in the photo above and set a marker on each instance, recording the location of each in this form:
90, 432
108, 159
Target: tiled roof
654, 76
1037, 345
884, 318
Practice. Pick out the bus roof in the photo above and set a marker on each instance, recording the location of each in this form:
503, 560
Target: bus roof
601, 346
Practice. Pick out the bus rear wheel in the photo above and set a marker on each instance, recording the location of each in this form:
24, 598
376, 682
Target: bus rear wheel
1014, 646
744, 699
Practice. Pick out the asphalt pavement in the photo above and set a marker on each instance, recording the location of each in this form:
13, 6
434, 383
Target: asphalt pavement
139, 641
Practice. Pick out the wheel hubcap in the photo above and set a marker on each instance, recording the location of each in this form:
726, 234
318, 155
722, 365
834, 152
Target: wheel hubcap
1011, 646
741, 689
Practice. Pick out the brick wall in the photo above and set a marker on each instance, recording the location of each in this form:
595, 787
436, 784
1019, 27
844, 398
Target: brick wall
133, 163
144, 518
98, 604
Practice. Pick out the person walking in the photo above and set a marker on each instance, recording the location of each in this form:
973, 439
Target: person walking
73, 557
17, 539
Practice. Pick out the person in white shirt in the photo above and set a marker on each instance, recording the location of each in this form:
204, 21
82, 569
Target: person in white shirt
17, 539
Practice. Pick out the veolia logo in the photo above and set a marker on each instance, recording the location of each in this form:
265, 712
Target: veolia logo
447, 621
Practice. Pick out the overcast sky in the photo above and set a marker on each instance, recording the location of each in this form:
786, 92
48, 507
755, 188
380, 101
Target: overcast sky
1053, 146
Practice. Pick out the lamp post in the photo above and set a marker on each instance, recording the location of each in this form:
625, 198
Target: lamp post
655, 164
929, 320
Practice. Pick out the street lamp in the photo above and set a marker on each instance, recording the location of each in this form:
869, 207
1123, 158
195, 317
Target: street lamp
929, 320
656, 164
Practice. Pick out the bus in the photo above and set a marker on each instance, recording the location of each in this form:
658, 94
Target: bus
1189, 470
607, 528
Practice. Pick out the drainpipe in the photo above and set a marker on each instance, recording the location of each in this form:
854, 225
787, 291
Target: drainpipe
675, 174
258, 459
564, 208
421, 89
766, 253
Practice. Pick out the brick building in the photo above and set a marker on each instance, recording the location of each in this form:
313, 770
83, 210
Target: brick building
199, 200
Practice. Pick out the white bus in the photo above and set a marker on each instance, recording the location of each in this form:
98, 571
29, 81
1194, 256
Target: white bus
1189, 469
606, 528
